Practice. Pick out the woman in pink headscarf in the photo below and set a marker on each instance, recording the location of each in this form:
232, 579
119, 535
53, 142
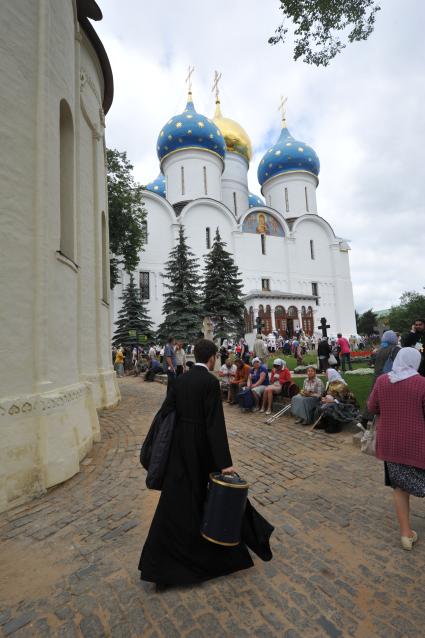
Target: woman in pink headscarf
399, 399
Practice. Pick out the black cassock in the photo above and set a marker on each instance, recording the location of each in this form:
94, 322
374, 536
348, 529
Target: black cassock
175, 553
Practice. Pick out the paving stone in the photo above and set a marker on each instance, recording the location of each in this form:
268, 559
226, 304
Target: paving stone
329, 627
91, 627
13, 625
67, 630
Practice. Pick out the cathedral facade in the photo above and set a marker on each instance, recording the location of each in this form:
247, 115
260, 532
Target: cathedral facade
295, 270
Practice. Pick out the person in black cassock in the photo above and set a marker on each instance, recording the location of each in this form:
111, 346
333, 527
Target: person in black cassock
175, 553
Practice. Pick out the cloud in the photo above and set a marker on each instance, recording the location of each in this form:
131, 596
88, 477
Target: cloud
363, 114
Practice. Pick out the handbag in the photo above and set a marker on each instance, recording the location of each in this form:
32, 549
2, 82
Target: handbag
368, 440
156, 449
332, 360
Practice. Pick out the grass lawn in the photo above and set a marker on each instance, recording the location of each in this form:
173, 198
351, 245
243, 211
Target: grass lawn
359, 385
309, 358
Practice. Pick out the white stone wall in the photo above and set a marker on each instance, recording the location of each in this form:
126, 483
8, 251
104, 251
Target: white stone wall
301, 193
191, 184
234, 184
55, 328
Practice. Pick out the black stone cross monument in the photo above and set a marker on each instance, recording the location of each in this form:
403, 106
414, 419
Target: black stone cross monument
323, 327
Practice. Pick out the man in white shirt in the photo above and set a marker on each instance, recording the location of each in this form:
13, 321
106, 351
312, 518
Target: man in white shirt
260, 349
227, 373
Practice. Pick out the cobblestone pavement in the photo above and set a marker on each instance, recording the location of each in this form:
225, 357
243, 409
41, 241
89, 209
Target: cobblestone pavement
68, 563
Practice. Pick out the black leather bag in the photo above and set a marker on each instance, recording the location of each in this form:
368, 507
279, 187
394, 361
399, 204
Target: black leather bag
156, 449
224, 509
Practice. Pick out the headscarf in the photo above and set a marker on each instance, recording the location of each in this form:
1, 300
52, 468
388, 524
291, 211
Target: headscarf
405, 365
389, 338
333, 375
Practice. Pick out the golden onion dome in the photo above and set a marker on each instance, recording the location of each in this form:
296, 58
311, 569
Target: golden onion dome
236, 138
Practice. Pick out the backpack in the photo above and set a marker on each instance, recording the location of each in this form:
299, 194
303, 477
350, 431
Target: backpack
156, 449
388, 365
245, 399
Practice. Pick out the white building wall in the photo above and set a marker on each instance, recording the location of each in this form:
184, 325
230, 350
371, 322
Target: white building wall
301, 193
186, 178
51, 385
234, 184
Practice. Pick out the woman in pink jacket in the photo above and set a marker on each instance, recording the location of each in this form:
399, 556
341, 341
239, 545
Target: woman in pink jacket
399, 399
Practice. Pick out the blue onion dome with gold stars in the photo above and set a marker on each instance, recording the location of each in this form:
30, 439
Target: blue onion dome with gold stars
157, 186
287, 155
190, 130
254, 200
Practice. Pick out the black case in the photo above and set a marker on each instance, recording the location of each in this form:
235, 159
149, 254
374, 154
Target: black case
224, 509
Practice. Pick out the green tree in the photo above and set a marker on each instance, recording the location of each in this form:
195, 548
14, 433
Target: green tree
411, 307
223, 290
133, 316
182, 308
321, 27
367, 323
127, 215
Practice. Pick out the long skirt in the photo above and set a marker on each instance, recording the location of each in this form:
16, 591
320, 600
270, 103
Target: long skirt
304, 407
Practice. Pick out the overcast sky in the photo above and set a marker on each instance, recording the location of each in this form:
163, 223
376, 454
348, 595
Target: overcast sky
364, 114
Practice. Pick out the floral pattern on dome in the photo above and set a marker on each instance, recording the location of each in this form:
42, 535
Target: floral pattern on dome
190, 130
287, 155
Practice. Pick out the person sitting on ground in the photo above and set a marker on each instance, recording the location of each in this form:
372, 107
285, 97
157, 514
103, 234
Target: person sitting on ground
258, 380
399, 399
279, 375
260, 349
240, 379
338, 406
154, 368
304, 404
227, 373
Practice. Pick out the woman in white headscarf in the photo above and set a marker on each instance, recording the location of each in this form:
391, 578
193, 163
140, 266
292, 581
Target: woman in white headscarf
398, 397
339, 404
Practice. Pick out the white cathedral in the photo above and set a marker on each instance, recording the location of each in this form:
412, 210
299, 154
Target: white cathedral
295, 270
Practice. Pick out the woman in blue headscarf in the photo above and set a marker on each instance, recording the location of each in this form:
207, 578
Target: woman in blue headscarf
384, 358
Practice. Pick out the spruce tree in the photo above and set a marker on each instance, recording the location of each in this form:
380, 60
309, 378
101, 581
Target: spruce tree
182, 309
223, 290
133, 316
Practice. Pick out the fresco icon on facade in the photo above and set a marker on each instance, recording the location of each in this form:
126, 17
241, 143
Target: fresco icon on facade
263, 224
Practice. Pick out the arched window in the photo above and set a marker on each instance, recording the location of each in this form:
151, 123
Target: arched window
286, 200
246, 320
268, 320
205, 180
251, 319
104, 249
66, 167
306, 199
303, 310
235, 203
293, 312
263, 244
182, 179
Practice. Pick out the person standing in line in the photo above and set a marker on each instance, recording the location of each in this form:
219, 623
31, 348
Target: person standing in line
416, 339
344, 351
180, 358
260, 349
170, 363
119, 362
152, 352
399, 399
175, 552
323, 352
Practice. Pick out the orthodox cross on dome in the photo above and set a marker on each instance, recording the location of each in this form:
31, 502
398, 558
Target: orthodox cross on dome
215, 89
188, 79
282, 109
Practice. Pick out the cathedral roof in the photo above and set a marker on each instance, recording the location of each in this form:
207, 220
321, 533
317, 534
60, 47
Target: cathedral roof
287, 155
254, 200
236, 138
190, 130
157, 186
